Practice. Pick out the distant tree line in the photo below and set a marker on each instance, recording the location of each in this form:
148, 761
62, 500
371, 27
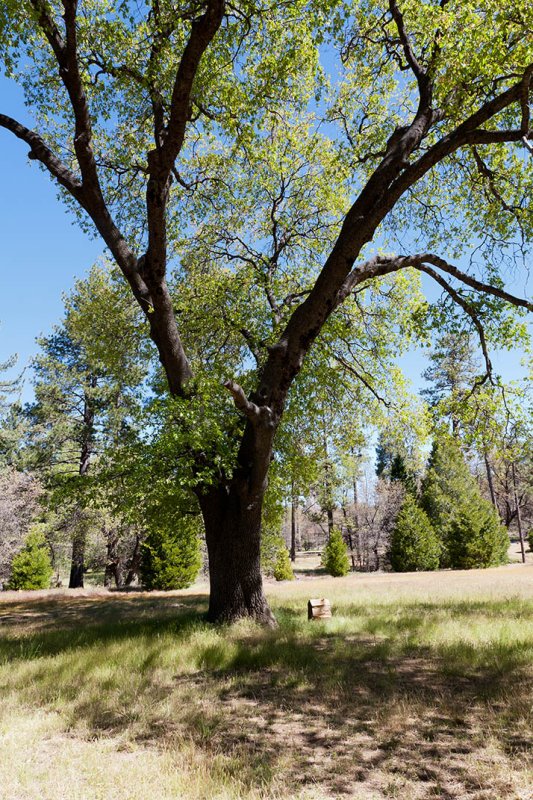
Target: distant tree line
91, 488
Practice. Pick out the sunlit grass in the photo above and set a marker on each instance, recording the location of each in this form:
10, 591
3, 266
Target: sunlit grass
419, 687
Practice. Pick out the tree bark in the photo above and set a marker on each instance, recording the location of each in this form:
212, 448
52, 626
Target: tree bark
113, 565
232, 518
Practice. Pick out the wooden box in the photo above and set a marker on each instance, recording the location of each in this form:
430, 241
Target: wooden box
318, 608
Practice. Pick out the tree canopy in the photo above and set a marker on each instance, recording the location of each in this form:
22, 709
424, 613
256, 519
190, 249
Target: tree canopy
255, 166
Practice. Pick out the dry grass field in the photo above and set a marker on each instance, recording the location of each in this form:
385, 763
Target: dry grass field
419, 687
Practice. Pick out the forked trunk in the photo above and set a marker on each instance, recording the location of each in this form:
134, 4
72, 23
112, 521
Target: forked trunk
232, 519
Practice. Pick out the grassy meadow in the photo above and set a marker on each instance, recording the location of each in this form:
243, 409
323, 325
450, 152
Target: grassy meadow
419, 687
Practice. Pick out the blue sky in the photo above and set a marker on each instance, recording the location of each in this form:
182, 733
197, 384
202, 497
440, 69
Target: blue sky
43, 251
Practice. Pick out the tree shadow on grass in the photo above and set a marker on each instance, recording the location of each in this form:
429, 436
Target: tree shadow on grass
374, 705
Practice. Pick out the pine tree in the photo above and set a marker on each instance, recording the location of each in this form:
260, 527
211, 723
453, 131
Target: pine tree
414, 545
392, 464
31, 567
451, 373
335, 555
466, 524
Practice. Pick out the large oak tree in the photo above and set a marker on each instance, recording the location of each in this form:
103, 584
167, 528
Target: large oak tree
374, 116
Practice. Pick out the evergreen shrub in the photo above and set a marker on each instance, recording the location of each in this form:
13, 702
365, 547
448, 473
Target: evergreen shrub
31, 567
275, 560
414, 546
335, 555
466, 524
476, 537
170, 555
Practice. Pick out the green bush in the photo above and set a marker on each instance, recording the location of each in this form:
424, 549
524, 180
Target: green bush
170, 556
335, 555
414, 545
275, 560
31, 568
476, 538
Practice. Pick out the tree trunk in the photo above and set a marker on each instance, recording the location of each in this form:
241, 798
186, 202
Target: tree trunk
293, 525
348, 532
78, 544
518, 516
490, 481
77, 562
134, 562
232, 518
113, 566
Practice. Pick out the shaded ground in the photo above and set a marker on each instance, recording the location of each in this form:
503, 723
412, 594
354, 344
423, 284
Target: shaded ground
418, 688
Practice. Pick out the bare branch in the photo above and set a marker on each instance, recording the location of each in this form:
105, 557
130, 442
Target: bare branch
350, 368
467, 308
479, 286
527, 143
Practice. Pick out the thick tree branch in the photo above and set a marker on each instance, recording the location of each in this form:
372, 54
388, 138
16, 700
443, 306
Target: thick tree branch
390, 180
48, 26
203, 30
468, 132
160, 166
40, 151
256, 414
146, 276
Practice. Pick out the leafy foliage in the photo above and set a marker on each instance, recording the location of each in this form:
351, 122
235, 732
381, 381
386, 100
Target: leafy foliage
335, 555
246, 187
414, 545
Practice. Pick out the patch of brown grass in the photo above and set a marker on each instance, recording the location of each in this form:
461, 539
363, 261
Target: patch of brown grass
418, 688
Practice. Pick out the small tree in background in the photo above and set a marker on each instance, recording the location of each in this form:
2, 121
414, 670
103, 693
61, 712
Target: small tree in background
31, 567
275, 560
335, 555
476, 538
466, 524
19, 504
414, 545
170, 555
